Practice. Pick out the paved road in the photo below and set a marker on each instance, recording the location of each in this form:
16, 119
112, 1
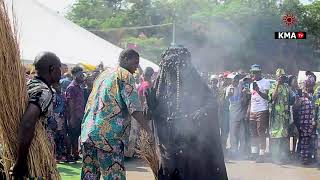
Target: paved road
240, 170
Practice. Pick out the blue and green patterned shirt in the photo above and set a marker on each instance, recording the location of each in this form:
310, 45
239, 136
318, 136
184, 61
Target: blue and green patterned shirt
112, 100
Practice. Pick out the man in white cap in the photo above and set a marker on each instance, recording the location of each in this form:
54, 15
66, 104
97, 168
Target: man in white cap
259, 113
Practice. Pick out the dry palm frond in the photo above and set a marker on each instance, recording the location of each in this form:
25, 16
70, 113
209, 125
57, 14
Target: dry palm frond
13, 102
147, 151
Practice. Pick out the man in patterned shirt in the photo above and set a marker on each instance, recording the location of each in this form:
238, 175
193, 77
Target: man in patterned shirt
39, 107
106, 122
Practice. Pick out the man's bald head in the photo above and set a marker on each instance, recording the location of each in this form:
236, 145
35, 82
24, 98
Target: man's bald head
45, 61
48, 65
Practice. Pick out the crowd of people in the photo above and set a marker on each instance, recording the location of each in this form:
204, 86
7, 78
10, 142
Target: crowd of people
255, 110
97, 108
69, 97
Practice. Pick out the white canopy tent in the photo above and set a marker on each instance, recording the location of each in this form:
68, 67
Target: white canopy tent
41, 29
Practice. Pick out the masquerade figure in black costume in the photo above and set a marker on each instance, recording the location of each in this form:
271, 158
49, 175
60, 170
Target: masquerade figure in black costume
186, 123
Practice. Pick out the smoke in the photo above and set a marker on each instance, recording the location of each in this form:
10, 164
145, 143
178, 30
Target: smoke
209, 53
219, 44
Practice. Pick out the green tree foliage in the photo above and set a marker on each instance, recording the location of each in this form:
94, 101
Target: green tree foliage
116, 21
311, 23
151, 48
237, 33
90, 13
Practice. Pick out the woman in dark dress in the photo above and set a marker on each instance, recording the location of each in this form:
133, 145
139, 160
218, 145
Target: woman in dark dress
186, 121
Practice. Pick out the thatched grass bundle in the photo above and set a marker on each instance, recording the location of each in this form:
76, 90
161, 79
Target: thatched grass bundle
147, 150
13, 102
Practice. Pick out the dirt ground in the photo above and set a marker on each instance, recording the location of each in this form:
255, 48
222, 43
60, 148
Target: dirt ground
239, 170
138, 170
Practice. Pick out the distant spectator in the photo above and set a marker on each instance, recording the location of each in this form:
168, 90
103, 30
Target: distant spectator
100, 67
245, 103
89, 84
145, 85
213, 84
28, 77
259, 113
76, 105
65, 82
307, 123
64, 69
224, 112
279, 118
59, 105
295, 95
311, 74
236, 113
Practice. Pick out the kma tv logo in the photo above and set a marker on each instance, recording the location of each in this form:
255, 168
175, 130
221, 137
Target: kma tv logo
290, 35
289, 20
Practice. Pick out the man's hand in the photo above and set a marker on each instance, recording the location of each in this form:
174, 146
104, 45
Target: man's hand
245, 90
280, 81
256, 88
139, 116
276, 91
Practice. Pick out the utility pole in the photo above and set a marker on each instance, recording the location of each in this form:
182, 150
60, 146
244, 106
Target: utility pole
173, 43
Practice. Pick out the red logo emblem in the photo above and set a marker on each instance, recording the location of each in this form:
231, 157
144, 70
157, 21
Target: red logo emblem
289, 20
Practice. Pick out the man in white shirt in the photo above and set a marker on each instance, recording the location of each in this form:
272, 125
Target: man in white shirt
259, 112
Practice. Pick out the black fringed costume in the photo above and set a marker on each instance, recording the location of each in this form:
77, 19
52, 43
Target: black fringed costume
185, 121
